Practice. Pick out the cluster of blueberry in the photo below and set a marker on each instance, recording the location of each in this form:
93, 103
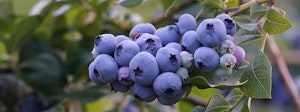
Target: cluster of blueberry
153, 63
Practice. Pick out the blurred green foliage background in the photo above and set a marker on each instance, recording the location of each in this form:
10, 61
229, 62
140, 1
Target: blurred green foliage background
45, 51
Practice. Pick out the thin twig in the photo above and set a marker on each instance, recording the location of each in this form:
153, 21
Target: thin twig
195, 100
284, 72
236, 10
173, 10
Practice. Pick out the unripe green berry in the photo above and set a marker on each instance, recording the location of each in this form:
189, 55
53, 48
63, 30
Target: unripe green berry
186, 59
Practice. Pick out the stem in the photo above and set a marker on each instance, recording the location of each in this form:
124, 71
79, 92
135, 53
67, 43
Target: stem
236, 103
263, 42
173, 10
284, 72
244, 6
195, 100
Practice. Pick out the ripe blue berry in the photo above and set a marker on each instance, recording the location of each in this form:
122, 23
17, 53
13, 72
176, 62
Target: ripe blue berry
143, 68
229, 23
93, 77
227, 47
120, 38
124, 76
168, 59
117, 86
149, 43
240, 55
168, 34
141, 28
211, 32
105, 44
206, 59
186, 59
106, 68
175, 45
171, 100
143, 93
190, 42
167, 84
227, 61
124, 51
186, 22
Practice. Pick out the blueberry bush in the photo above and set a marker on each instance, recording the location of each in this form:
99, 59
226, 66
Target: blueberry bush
136, 55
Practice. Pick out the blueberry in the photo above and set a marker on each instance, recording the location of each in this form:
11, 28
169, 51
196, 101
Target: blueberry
33, 103
211, 32
229, 37
190, 42
117, 86
240, 55
175, 45
93, 76
227, 47
143, 93
186, 59
141, 28
183, 73
221, 74
143, 68
105, 44
130, 107
168, 59
171, 100
227, 61
106, 68
168, 34
167, 84
206, 59
229, 23
124, 51
94, 53
149, 43
186, 22
120, 38
124, 76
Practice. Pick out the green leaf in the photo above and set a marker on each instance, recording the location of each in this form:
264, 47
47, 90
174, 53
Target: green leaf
245, 23
276, 23
130, 3
22, 31
86, 95
198, 109
258, 75
234, 96
167, 3
232, 3
187, 91
238, 100
201, 83
217, 103
44, 72
243, 36
172, 4
218, 4
258, 11
245, 104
